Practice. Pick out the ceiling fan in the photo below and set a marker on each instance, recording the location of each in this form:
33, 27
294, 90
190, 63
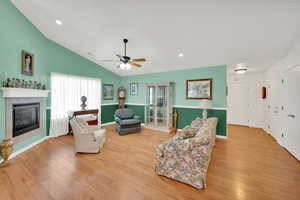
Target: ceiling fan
126, 61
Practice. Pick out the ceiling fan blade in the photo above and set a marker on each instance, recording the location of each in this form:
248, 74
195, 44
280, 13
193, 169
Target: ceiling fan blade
135, 64
139, 60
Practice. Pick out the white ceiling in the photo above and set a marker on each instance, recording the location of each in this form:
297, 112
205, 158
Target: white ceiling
211, 32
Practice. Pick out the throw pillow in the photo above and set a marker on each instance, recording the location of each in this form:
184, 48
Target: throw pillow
197, 123
204, 131
187, 132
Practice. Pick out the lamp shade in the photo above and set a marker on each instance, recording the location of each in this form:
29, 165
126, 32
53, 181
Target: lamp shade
205, 104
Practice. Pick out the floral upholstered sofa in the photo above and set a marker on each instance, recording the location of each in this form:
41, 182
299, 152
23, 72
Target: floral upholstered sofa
186, 156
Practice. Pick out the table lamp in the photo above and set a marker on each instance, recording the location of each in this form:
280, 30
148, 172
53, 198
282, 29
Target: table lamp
205, 104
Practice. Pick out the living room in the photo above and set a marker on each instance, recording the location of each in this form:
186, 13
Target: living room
171, 103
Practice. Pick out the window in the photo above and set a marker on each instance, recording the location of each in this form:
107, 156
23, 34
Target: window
66, 91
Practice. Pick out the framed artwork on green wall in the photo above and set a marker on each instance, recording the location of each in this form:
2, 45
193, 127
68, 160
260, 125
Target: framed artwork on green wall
27, 63
134, 89
108, 91
199, 89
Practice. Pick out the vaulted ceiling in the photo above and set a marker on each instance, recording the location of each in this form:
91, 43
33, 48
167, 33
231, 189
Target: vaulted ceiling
207, 33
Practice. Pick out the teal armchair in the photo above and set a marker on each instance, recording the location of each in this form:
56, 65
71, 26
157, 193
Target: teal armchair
127, 122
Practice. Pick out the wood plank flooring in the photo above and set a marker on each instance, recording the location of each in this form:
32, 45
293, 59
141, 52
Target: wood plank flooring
248, 165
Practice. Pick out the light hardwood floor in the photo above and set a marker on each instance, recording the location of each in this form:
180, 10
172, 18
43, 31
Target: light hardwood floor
249, 165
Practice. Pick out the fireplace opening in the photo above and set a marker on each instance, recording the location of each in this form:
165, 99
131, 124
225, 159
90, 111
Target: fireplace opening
26, 117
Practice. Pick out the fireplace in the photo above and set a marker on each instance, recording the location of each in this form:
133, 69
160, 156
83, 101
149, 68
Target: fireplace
26, 117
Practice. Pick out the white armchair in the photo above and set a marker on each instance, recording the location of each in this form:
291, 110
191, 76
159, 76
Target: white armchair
88, 139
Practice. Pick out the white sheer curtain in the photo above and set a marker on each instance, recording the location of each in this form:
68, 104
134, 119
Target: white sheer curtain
66, 91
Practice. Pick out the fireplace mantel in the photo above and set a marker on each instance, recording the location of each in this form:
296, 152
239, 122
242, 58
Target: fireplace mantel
23, 93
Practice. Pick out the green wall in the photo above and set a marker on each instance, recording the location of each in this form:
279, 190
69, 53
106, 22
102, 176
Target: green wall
18, 33
107, 113
138, 110
187, 115
187, 109
218, 73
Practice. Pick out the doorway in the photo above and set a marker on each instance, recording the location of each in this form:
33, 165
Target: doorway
291, 111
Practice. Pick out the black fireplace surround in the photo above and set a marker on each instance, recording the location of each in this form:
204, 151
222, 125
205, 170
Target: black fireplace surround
26, 117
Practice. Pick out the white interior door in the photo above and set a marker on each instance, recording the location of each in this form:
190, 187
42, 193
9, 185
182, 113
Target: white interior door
274, 111
292, 112
238, 104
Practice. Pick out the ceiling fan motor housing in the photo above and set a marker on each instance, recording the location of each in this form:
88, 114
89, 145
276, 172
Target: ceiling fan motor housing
126, 58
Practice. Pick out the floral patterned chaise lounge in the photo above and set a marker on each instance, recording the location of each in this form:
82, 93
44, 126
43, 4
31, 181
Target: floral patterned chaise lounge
186, 156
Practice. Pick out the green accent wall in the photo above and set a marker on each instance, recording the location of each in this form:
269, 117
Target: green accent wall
187, 115
17, 34
179, 77
107, 113
138, 110
48, 119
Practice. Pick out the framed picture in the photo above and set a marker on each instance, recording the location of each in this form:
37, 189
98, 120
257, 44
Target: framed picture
134, 87
27, 63
108, 91
199, 89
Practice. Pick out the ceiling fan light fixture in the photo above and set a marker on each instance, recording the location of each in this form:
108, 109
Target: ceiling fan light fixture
240, 68
128, 66
124, 66
126, 62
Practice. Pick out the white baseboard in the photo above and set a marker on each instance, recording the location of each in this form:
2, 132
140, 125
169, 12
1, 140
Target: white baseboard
13, 155
221, 137
155, 128
266, 130
108, 123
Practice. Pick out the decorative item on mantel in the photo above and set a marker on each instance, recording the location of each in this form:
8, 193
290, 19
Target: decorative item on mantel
83, 104
18, 83
6, 148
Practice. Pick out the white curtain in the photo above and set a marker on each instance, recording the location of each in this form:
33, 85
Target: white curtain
66, 91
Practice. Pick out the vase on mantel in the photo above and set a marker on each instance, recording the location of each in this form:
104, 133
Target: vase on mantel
6, 148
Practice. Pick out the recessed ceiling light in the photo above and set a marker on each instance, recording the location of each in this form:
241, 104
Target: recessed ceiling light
58, 22
180, 55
